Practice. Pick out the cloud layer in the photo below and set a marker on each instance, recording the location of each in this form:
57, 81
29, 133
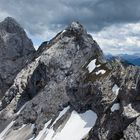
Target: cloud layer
44, 18
119, 39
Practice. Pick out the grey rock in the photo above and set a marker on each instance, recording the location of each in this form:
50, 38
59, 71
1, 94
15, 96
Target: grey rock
132, 132
110, 125
46, 78
16, 50
59, 76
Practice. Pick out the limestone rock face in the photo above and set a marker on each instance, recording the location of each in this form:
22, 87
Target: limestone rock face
133, 130
120, 103
16, 49
70, 87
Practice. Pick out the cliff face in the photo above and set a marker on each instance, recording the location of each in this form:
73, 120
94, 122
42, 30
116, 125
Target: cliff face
70, 91
15, 52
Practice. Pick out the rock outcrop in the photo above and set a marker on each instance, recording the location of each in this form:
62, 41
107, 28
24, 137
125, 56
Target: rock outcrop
70, 86
16, 50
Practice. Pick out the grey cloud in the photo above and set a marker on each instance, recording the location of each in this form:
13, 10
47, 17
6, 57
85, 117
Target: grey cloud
39, 15
123, 38
108, 20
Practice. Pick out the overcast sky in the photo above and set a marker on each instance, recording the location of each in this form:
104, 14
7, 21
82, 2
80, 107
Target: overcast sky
114, 24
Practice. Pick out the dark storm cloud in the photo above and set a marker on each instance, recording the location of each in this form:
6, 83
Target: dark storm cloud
114, 24
39, 15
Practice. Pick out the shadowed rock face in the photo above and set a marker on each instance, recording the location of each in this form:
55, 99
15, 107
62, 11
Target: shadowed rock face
70, 71
16, 50
133, 130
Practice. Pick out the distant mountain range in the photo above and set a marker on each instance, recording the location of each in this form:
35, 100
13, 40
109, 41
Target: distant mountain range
134, 59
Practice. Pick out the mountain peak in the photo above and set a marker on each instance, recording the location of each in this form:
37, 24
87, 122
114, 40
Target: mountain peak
10, 25
10, 20
66, 85
76, 25
16, 49
76, 28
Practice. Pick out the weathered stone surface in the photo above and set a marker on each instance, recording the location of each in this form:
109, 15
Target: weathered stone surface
110, 124
132, 132
16, 50
71, 70
47, 76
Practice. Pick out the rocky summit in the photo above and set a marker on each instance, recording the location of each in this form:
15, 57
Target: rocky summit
16, 50
66, 90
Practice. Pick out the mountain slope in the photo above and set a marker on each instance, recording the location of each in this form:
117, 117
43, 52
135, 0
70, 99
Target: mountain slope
135, 61
16, 50
70, 91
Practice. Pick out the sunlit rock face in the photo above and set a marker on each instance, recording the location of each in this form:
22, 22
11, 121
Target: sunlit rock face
70, 91
16, 50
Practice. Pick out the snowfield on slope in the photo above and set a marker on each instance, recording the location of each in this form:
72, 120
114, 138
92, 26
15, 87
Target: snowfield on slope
76, 128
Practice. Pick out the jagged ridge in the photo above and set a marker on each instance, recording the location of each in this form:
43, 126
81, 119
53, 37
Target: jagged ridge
68, 77
16, 50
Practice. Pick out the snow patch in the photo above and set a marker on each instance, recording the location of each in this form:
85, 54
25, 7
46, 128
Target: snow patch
63, 31
42, 131
61, 114
115, 89
98, 65
11, 124
4, 132
21, 108
76, 128
91, 66
100, 71
50, 131
81, 122
115, 107
22, 127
